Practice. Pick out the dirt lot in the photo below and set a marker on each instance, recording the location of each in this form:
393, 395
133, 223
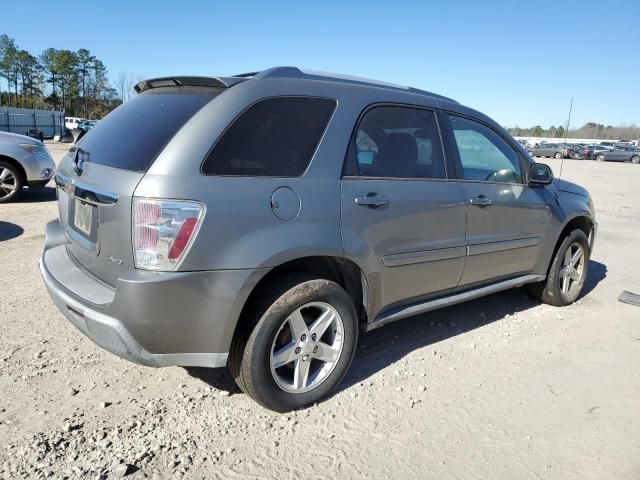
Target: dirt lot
499, 388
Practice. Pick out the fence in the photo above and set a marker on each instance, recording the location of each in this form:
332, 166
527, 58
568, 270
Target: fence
19, 120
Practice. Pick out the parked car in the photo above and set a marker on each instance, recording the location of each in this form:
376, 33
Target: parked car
72, 123
273, 216
555, 150
577, 151
24, 162
626, 154
34, 133
84, 128
86, 125
569, 150
594, 150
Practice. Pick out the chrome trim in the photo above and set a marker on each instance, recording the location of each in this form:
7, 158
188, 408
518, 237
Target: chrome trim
399, 259
423, 307
372, 201
89, 194
482, 248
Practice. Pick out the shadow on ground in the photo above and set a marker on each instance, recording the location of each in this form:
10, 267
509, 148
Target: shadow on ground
597, 273
9, 230
39, 195
380, 348
219, 378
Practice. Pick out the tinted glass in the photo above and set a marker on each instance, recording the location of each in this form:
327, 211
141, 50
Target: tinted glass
132, 136
484, 154
276, 137
399, 142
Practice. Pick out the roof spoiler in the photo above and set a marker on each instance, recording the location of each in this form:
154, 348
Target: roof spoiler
219, 82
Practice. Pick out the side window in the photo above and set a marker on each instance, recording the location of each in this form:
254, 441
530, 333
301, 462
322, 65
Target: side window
484, 154
399, 142
275, 137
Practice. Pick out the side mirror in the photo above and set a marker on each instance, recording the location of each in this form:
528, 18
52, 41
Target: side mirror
540, 175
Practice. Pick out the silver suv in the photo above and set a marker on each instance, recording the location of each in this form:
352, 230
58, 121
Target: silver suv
261, 221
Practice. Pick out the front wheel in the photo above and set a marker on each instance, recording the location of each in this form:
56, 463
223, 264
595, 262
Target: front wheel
635, 159
11, 182
557, 155
600, 158
297, 344
567, 273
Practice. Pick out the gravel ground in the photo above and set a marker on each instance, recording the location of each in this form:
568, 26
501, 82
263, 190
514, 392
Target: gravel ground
501, 387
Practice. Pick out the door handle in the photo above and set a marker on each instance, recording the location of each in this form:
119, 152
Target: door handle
371, 200
481, 201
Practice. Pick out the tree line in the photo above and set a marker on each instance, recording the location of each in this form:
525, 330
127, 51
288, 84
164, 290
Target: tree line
73, 81
588, 130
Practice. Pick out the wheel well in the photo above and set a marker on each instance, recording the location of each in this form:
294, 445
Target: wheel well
340, 270
579, 223
17, 165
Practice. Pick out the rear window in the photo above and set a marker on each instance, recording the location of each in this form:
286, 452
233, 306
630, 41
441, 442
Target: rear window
132, 136
276, 137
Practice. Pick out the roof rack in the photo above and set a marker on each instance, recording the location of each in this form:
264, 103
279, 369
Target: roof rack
275, 72
295, 72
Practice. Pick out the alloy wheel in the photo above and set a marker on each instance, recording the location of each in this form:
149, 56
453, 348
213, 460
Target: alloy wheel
307, 347
8, 183
572, 267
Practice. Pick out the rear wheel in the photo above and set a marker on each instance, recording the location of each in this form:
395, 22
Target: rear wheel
567, 273
635, 159
557, 155
11, 182
297, 343
600, 158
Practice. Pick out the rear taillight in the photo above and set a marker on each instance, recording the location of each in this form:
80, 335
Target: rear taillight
163, 231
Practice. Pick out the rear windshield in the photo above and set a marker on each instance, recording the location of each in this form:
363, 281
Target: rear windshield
275, 137
132, 136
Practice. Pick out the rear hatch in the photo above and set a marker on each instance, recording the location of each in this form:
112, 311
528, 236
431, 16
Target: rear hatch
97, 178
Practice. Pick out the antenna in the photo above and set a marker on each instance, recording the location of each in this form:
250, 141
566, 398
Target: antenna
566, 132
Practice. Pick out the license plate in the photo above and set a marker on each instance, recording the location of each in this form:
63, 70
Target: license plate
83, 217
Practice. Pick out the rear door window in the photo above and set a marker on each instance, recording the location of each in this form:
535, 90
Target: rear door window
132, 136
275, 137
398, 142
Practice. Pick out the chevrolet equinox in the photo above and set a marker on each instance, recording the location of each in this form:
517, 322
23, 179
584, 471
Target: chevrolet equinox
263, 220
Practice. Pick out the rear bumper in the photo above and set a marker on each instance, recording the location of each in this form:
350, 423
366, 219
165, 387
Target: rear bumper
150, 318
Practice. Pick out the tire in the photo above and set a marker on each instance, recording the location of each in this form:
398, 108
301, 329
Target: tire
557, 155
552, 291
268, 327
600, 158
11, 182
635, 159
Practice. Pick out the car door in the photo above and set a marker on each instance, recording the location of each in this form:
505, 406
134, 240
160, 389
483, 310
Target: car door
401, 216
506, 219
619, 155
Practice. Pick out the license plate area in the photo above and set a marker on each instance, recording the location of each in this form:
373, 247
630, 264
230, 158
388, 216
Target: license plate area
84, 219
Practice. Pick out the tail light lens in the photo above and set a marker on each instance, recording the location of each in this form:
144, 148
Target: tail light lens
163, 231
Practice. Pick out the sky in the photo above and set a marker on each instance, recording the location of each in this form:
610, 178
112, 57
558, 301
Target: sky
518, 62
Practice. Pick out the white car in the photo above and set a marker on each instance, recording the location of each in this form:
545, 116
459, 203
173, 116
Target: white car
72, 123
